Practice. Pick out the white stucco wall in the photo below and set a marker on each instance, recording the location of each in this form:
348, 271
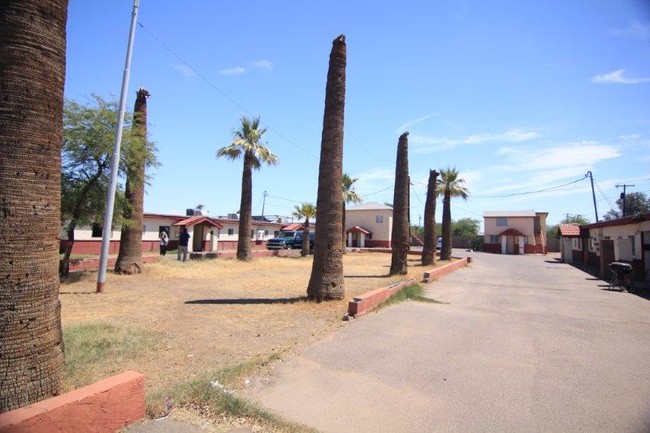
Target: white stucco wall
368, 220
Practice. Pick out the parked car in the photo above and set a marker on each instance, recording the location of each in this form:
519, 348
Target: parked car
285, 241
439, 245
289, 240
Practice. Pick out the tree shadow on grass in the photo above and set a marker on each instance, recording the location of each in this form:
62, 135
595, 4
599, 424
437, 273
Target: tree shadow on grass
248, 301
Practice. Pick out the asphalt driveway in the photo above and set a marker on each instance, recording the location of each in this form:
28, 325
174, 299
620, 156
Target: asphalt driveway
525, 343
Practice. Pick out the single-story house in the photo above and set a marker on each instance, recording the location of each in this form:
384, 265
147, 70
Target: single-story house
369, 225
515, 232
569, 235
620, 240
207, 233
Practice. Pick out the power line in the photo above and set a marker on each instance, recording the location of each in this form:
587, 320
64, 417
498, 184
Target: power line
224, 94
530, 192
376, 192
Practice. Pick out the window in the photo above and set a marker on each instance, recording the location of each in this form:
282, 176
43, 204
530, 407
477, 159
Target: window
379, 219
494, 239
266, 233
97, 230
231, 232
502, 222
632, 239
144, 229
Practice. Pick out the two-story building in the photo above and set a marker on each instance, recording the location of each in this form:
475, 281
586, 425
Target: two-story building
369, 225
515, 232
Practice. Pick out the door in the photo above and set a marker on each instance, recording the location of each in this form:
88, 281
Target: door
197, 242
645, 254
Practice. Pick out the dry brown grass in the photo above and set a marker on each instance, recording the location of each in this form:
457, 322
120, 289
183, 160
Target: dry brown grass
213, 313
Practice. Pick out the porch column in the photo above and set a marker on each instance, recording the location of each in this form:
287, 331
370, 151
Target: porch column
522, 249
350, 239
504, 244
362, 240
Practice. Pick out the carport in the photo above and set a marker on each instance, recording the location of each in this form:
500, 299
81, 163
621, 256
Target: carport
512, 242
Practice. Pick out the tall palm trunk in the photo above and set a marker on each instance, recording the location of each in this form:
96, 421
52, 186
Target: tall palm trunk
32, 74
244, 248
326, 280
445, 251
129, 259
304, 252
400, 236
430, 241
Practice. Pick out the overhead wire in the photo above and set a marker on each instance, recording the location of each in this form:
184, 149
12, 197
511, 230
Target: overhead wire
224, 94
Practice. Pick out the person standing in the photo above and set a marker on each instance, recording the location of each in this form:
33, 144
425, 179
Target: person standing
183, 241
164, 241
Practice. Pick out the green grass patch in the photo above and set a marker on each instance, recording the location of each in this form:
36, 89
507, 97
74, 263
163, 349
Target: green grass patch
413, 292
90, 347
210, 394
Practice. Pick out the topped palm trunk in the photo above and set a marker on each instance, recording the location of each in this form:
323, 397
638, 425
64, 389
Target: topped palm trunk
430, 241
401, 235
326, 281
129, 260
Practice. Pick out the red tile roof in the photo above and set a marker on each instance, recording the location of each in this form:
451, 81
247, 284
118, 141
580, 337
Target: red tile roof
194, 220
358, 229
571, 230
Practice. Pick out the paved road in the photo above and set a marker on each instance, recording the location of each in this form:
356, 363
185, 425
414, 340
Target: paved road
524, 344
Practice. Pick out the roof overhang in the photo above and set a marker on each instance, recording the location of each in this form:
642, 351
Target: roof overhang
358, 229
511, 232
198, 220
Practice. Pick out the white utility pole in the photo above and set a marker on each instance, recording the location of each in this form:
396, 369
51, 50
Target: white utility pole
115, 161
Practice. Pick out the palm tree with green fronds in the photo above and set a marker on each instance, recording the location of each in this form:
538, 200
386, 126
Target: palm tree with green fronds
450, 185
306, 211
349, 196
247, 142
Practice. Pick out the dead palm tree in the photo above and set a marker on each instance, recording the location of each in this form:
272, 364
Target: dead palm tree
247, 142
326, 280
401, 235
32, 73
430, 241
450, 185
349, 196
129, 259
306, 211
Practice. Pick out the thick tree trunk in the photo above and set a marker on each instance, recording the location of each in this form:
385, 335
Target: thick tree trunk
326, 280
445, 251
32, 74
244, 248
129, 259
430, 241
400, 237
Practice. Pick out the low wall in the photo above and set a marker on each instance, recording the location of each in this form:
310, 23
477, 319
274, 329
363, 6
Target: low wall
368, 301
92, 264
436, 273
106, 406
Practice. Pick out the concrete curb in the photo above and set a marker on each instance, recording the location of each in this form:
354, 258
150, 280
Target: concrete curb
103, 407
436, 273
362, 304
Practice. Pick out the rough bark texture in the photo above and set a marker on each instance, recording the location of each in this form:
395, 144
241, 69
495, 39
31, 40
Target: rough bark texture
244, 247
445, 251
304, 252
129, 259
400, 236
32, 74
326, 281
430, 241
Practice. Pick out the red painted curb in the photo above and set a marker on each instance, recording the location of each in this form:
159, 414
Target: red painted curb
362, 304
435, 273
103, 407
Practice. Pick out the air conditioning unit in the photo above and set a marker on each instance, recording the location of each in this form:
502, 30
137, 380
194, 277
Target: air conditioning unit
189, 212
233, 216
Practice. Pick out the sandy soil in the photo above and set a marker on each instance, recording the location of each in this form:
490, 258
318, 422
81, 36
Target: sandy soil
209, 314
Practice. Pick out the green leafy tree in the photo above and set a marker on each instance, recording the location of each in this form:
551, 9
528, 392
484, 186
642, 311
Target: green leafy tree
634, 203
249, 145
465, 228
32, 75
306, 211
450, 185
88, 137
349, 196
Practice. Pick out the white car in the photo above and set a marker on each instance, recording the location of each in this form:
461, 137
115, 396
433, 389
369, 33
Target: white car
439, 245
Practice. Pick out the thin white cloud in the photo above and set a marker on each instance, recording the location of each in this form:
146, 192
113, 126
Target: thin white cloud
408, 124
635, 30
184, 69
618, 77
237, 70
426, 144
261, 64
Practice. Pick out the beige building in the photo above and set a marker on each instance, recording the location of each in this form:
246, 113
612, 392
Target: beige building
369, 225
515, 232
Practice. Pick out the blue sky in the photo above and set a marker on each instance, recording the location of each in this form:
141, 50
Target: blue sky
519, 96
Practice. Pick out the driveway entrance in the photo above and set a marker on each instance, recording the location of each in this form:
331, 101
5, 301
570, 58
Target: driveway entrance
523, 343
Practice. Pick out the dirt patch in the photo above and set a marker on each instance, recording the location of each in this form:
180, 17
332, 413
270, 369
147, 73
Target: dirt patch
213, 313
